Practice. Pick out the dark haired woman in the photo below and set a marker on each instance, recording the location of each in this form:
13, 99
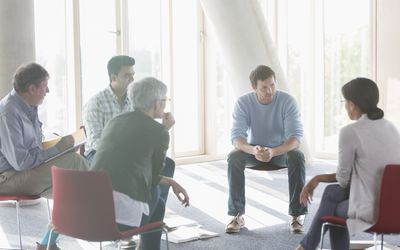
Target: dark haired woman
365, 147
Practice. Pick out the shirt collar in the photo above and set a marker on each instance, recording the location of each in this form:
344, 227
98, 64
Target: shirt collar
363, 117
115, 98
31, 111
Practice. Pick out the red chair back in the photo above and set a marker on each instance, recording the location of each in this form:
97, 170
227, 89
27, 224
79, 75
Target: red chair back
83, 205
388, 220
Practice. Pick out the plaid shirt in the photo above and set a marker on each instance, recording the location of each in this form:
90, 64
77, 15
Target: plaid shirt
100, 109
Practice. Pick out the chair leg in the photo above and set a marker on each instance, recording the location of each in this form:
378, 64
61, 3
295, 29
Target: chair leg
101, 246
18, 225
166, 236
381, 241
49, 240
48, 210
322, 235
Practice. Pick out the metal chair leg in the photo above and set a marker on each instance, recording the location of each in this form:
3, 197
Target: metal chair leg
48, 209
18, 225
49, 240
322, 235
166, 236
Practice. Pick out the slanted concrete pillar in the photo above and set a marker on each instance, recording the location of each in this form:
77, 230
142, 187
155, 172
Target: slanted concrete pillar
17, 39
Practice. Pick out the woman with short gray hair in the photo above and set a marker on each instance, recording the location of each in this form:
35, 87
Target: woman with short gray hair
143, 93
132, 150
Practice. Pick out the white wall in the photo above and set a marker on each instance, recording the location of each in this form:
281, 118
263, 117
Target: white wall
388, 57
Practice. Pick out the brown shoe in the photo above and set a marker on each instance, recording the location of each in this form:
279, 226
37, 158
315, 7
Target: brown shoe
44, 247
235, 225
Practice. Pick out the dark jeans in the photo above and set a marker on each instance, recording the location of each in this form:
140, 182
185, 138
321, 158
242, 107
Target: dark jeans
334, 202
239, 160
151, 241
168, 171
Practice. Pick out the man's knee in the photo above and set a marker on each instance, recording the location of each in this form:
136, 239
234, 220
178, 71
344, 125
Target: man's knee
169, 168
237, 156
296, 155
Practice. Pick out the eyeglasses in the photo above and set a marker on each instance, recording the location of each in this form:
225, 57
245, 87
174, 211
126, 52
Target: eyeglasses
165, 99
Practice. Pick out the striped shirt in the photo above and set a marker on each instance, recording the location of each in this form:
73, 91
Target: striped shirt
98, 111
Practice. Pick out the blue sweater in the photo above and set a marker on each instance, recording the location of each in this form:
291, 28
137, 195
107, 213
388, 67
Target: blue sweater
268, 125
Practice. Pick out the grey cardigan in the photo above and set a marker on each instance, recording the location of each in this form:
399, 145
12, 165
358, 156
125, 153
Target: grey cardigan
365, 147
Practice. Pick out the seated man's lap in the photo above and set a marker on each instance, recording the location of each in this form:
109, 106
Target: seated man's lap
38, 180
250, 161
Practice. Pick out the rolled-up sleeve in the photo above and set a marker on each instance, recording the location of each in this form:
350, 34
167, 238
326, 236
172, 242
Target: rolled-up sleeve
158, 158
241, 121
292, 120
347, 152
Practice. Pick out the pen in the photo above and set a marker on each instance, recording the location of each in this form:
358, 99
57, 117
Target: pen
56, 134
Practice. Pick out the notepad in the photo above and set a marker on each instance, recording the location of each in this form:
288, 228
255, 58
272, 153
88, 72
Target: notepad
185, 234
79, 138
172, 223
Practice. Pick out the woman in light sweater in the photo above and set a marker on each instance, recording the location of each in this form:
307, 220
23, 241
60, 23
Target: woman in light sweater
365, 148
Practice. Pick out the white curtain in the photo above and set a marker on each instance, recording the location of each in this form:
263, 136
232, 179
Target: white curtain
245, 42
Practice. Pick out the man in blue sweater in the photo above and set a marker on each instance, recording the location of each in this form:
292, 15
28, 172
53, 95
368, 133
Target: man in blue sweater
266, 131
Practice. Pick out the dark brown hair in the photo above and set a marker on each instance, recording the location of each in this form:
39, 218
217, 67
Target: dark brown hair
364, 93
261, 73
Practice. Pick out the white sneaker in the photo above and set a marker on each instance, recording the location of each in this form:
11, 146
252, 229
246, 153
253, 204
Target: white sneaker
296, 226
235, 225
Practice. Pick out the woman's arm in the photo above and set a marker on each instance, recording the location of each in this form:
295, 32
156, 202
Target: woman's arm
179, 191
306, 194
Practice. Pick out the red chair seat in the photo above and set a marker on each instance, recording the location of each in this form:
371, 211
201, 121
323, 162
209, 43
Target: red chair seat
334, 219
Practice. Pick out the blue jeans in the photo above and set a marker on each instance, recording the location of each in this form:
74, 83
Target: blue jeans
151, 241
168, 171
237, 162
334, 202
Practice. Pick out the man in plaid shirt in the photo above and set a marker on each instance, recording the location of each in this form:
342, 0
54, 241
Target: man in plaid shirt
110, 102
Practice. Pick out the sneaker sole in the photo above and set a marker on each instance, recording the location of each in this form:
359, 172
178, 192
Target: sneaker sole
297, 231
231, 231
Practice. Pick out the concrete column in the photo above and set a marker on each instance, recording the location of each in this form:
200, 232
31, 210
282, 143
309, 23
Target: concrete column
17, 39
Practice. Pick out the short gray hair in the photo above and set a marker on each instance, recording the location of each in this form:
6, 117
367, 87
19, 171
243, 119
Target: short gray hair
145, 92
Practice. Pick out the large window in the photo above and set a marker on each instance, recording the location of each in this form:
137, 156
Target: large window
322, 45
347, 54
51, 52
98, 43
145, 37
75, 40
185, 76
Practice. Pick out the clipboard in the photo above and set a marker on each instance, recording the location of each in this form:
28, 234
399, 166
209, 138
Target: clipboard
79, 138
